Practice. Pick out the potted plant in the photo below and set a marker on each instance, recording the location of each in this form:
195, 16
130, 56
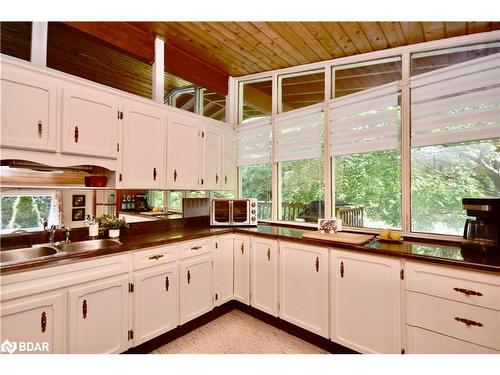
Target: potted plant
112, 223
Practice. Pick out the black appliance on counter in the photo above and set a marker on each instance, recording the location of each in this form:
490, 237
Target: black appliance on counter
482, 233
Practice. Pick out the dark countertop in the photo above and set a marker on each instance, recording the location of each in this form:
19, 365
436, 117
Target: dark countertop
441, 253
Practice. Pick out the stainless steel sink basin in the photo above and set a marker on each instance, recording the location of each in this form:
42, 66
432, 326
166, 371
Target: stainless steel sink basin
27, 253
91, 245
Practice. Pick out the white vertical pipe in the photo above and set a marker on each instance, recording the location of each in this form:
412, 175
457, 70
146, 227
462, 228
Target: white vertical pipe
405, 144
39, 43
158, 71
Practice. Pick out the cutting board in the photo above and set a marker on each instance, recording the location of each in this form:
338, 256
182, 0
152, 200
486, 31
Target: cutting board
352, 238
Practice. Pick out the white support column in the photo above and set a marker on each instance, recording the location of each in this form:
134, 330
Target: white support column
405, 144
39, 43
159, 71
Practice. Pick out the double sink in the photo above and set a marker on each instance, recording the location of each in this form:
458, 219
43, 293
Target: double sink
47, 251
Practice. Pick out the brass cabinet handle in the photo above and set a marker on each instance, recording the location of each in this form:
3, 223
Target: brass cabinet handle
202, 181
77, 134
189, 277
242, 249
269, 253
43, 322
40, 129
468, 292
225, 178
175, 175
156, 257
167, 283
84, 309
341, 269
154, 174
196, 248
317, 264
468, 322
216, 178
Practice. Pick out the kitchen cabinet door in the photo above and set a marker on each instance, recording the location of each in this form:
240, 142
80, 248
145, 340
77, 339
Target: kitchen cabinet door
196, 288
29, 115
155, 302
90, 124
183, 143
223, 269
304, 286
242, 269
99, 316
39, 319
212, 158
229, 163
264, 275
143, 162
365, 297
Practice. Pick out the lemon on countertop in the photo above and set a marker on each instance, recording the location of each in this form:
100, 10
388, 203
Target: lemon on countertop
384, 235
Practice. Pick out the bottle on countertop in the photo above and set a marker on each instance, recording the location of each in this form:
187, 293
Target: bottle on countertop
124, 203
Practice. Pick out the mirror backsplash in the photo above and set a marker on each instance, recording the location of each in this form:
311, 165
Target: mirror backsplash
25, 209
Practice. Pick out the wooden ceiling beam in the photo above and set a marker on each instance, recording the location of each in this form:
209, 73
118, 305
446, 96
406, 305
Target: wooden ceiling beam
139, 44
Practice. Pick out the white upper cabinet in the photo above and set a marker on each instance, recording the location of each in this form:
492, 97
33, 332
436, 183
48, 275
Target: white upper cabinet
264, 275
183, 144
143, 160
211, 158
304, 286
29, 112
228, 177
366, 302
89, 124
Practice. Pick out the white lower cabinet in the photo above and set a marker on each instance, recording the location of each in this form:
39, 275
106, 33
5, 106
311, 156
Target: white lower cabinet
242, 269
155, 302
264, 275
365, 302
99, 316
223, 269
304, 286
35, 324
195, 287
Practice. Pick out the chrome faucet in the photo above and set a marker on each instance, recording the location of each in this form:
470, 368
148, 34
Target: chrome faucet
52, 233
67, 233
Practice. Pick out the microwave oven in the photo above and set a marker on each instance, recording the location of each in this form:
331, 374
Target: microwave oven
233, 212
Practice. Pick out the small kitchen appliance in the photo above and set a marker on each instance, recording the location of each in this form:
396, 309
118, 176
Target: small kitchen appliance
482, 233
233, 212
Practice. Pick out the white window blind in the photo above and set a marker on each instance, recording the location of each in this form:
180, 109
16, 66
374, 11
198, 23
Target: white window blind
297, 134
365, 121
254, 142
458, 103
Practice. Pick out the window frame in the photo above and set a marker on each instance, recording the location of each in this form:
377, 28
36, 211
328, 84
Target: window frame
404, 53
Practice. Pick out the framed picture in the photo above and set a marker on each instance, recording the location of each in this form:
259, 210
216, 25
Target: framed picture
78, 200
78, 214
330, 225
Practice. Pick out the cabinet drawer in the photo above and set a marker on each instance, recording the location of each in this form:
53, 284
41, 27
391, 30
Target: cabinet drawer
452, 319
154, 256
471, 287
421, 341
194, 248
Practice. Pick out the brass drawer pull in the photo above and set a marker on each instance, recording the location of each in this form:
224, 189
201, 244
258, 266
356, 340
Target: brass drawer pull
196, 248
468, 322
242, 249
317, 264
189, 277
84, 309
225, 178
468, 292
156, 257
216, 178
154, 174
167, 283
269, 253
40, 129
77, 134
43, 322
341, 269
175, 175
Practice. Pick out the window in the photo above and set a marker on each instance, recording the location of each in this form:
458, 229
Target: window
255, 100
214, 105
364, 143
455, 144
184, 98
157, 199
255, 182
26, 211
302, 190
15, 39
222, 194
301, 90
